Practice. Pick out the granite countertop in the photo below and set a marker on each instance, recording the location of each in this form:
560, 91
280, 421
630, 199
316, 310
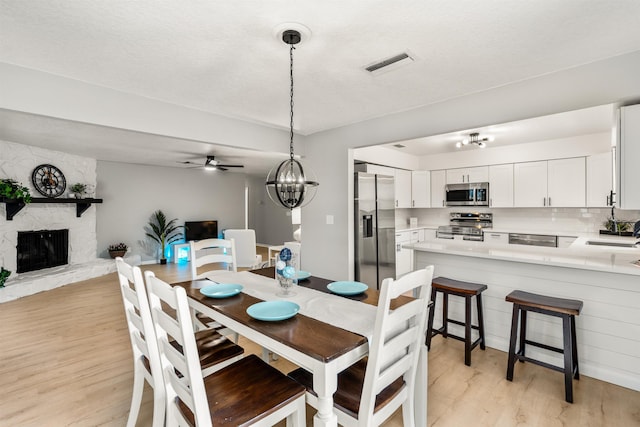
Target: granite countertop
578, 255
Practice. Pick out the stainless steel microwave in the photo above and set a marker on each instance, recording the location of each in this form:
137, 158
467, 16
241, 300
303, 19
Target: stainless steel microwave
469, 194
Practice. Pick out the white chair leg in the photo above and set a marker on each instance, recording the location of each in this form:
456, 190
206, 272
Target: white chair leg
136, 398
408, 413
299, 417
159, 406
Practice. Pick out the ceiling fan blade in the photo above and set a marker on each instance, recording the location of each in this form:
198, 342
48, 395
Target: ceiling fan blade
219, 167
231, 166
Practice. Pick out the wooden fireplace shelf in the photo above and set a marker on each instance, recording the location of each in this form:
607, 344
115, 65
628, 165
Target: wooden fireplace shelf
15, 206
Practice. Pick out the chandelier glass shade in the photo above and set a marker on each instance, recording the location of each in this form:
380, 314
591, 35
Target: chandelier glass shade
474, 139
289, 185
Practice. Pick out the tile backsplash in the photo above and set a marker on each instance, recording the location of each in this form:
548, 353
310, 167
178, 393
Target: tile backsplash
559, 220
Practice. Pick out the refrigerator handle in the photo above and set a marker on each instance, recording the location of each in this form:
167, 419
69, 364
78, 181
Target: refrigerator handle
367, 226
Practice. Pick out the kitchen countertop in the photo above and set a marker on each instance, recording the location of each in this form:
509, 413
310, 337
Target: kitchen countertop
578, 255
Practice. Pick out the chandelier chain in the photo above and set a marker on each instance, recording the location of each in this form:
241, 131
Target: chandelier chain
291, 103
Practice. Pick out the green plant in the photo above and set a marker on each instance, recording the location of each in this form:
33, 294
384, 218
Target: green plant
118, 247
620, 226
4, 275
79, 188
162, 231
13, 190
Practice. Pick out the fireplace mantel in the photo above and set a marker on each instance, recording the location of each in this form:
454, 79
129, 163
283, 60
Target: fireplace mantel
15, 206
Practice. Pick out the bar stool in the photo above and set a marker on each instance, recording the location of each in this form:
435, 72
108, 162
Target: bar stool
567, 310
462, 289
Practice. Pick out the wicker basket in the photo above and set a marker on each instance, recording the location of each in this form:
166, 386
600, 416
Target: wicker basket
114, 254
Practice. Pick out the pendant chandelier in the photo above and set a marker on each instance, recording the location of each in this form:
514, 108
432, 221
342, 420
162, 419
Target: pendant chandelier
474, 139
289, 185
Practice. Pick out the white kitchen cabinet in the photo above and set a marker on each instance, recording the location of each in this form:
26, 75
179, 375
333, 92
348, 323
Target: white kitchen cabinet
465, 175
566, 241
567, 182
496, 238
529, 184
438, 181
627, 156
375, 169
403, 188
420, 189
599, 179
403, 256
501, 186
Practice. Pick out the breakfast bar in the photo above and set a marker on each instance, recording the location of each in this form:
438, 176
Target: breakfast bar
606, 278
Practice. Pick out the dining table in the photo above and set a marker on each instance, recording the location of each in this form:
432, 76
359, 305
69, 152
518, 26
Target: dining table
329, 333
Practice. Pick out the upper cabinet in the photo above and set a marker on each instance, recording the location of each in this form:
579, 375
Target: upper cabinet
438, 181
501, 186
628, 154
567, 183
465, 175
403, 188
553, 183
599, 180
529, 184
420, 189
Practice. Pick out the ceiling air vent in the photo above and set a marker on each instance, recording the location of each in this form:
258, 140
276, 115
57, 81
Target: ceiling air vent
399, 145
403, 58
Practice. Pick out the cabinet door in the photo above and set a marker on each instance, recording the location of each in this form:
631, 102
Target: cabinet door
599, 179
403, 256
530, 184
501, 186
478, 174
380, 170
403, 188
420, 189
438, 181
457, 176
567, 182
628, 154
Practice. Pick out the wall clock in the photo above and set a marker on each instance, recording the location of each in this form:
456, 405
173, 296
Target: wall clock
49, 180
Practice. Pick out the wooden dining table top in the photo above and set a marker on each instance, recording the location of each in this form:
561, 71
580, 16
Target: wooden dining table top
315, 338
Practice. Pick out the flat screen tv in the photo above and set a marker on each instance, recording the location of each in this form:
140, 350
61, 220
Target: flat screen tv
199, 230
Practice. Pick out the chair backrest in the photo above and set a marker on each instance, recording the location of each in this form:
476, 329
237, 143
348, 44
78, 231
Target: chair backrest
211, 251
245, 241
397, 338
182, 372
140, 323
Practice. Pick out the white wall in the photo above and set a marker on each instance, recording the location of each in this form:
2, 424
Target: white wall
132, 193
272, 223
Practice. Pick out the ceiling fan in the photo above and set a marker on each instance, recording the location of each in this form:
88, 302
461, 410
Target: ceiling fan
212, 164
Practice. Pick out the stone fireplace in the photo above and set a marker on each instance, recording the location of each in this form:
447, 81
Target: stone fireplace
80, 262
41, 249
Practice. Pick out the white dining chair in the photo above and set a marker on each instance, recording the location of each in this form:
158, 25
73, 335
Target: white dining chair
215, 254
214, 350
247, 392
370, 391
245, 243
146, 359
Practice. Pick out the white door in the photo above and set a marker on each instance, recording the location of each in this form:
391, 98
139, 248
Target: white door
420, 189
501, 186
599, 179
403, 188
567, 182
530, 184
403, 256
438, 181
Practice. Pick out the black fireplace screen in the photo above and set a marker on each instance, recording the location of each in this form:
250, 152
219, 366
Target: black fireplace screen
42, 249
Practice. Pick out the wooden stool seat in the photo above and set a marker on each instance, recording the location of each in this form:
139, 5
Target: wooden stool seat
567, 310
467, 290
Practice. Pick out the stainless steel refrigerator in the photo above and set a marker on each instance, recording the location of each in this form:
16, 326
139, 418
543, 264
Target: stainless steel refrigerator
375, 228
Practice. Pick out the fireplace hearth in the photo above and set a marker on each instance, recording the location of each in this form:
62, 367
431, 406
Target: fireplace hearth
42, 249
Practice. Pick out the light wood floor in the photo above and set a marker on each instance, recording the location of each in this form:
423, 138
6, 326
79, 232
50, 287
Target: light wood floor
66, 361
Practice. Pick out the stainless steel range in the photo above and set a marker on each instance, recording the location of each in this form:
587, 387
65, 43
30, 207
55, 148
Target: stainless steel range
469, 225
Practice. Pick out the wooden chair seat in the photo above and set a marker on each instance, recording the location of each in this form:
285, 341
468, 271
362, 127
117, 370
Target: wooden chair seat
561, 305
350, 386
251, 388
457, 287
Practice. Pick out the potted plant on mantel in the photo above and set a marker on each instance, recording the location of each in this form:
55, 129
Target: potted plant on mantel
79, 189
118, 249
4, 275
13, 190
162, 231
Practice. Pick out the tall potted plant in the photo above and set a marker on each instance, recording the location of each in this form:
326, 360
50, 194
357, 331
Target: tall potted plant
162, 231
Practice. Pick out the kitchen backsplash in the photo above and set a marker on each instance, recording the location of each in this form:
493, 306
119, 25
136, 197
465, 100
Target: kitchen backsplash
565, 220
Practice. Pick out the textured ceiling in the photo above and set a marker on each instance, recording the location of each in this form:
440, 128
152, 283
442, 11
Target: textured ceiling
223, 57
